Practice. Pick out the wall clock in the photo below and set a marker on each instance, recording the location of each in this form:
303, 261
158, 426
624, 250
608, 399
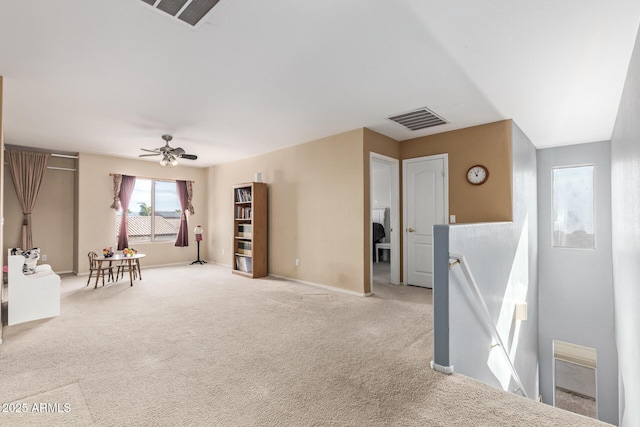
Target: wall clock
477, 175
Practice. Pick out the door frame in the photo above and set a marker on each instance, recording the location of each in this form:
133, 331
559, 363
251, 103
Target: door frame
405, 240
394, 221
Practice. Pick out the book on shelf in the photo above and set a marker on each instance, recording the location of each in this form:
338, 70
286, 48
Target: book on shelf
243, 195
243, 212
244, 248
245, 229
244, 264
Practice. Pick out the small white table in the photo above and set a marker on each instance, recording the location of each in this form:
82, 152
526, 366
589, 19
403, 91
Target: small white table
384, 245
118, 257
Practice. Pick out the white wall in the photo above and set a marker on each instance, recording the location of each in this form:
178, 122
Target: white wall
380, 184
576, 285
625, 198
381, 195
503, 259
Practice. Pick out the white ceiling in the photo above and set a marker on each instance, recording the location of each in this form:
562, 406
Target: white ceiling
113, 76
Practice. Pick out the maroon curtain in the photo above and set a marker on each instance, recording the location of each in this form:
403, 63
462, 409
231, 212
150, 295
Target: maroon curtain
126, 190
183, 230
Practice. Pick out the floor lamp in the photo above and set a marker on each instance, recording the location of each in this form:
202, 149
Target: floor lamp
198, 230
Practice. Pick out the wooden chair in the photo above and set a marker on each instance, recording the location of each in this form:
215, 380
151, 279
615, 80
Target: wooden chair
124, 268
94, 267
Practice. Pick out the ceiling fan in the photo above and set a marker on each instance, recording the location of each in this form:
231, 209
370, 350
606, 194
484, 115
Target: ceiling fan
169, 154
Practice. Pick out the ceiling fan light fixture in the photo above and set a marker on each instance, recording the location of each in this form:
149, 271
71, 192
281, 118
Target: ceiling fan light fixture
170, 155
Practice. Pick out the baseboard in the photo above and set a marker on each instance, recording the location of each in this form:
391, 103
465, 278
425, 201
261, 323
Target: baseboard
275, 276
86, 273
318, 285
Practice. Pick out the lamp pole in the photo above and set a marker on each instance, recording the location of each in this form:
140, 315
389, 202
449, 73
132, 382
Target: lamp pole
198, 231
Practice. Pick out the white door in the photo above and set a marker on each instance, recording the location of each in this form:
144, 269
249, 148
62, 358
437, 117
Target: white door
425, 204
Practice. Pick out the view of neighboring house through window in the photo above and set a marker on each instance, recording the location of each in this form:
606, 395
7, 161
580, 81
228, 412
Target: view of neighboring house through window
573, 207
154, 212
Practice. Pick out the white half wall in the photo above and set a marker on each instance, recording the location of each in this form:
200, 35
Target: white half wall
504, 261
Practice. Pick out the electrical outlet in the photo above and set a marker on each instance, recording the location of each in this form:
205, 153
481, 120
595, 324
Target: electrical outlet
452, 219
297, 262
44, 257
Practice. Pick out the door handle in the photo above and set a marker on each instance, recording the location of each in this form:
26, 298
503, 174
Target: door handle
410, 230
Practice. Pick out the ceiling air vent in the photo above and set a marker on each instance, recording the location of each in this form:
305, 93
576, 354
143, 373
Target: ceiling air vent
421, 118
188, 11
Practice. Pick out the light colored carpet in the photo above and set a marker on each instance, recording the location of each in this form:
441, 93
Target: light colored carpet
196, 345
577, 403
381, 274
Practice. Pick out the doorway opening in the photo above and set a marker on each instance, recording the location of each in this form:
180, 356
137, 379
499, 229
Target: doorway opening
384, 207
574, 378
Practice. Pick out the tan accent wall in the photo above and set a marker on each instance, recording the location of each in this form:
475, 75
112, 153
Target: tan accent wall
315, 200
489, 145
2, 297
96, 220
373, 142
52, 218
1, 175
76, 218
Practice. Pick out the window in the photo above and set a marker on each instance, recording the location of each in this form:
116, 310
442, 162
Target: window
154, 211
573, 207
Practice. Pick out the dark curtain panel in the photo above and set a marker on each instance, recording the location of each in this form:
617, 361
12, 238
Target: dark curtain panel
126, 190
183, 230
27, 170
190, 198
117, 180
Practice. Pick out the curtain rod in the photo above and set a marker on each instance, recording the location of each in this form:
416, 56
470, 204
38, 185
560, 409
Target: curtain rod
55, 168
149, 177
20, 148
61, 169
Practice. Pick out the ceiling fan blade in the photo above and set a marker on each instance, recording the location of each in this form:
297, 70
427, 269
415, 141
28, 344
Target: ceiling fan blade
178, 151
188, 156
155, 150
148, 155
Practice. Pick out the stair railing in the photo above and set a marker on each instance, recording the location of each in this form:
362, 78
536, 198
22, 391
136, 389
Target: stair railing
464, 265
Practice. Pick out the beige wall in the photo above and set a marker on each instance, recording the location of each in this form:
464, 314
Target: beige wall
96, 220
52, 217
315, 210
489, 145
